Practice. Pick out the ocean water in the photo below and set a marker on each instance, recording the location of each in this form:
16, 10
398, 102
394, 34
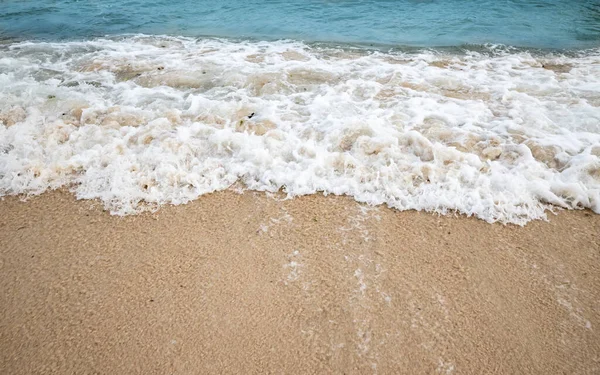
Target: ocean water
530, 23
486, 108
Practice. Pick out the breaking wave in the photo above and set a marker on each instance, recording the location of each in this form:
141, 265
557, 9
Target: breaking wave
142, 121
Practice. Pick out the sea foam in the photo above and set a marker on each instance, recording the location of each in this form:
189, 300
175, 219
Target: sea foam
139, 121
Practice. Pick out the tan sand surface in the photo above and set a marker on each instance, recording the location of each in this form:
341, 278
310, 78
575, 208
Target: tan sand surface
245, 283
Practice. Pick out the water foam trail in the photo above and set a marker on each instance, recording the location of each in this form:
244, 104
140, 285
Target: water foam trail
143, 121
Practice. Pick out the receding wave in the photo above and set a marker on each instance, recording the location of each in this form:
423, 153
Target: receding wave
140, 121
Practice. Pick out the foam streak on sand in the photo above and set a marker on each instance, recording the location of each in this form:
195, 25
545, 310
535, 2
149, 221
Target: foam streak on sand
142, 121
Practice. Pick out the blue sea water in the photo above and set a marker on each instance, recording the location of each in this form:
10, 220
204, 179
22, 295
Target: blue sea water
551, 24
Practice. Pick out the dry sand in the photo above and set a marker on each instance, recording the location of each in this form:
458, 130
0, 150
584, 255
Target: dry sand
249, 284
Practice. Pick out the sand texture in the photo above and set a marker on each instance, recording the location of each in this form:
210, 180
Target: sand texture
246, 283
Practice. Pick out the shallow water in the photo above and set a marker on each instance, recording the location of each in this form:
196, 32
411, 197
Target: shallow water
540, 23
503, 132
143, 121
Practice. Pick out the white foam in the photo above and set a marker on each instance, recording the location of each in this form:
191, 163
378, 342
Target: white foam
144, 121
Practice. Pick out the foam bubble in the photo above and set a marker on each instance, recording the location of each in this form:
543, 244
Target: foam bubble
138, 122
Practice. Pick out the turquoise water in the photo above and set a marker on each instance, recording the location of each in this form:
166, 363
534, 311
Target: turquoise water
556, 24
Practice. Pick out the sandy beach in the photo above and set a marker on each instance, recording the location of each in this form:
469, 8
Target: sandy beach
246, 283
299, 187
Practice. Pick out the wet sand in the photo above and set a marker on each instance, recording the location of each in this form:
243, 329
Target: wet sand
244, 283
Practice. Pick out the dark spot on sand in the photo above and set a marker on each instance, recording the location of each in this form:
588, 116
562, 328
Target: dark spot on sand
251, 115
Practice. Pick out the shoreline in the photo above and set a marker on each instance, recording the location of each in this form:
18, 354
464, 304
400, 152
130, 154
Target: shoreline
422, 133
247, 283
